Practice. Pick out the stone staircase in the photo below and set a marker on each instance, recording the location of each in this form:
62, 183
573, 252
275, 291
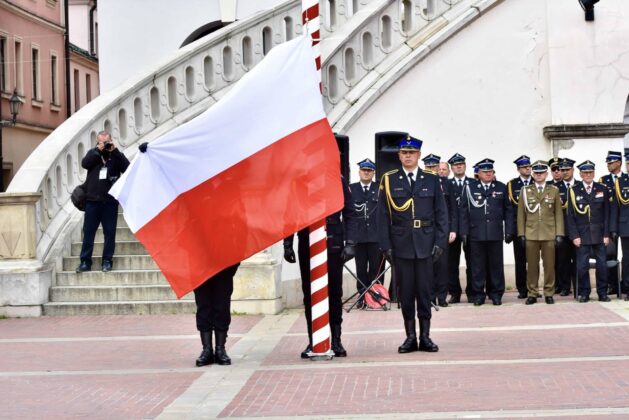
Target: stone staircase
135, 286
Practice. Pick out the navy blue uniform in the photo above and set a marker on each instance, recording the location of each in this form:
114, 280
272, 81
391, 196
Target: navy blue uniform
619, 223
519, 253
588, 219
411, 222
487, 214
213, 299
612, 249
454, 249
368, 255
440, 287
565, 252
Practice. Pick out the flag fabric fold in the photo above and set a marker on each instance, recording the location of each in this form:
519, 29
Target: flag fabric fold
257, 166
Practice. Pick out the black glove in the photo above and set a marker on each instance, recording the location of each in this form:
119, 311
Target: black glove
388, 255
289, 255
436, 253
522, 240
348, 252
464, 240
143, 147
508, 238
559, 240
613, 236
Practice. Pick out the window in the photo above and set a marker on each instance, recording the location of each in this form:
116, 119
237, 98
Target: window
88, 88
3, 64
19, 80
54, 86
267, 40
77, 93
36, 92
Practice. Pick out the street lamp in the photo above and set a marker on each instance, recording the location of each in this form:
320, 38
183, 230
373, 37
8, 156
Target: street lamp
14, 107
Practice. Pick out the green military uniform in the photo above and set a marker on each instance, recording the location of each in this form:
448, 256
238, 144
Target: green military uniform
540, 221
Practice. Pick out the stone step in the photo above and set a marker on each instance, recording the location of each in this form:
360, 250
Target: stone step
122, 248
120, 308
122, 234
121, 262
117, 293
121, 221
113, 278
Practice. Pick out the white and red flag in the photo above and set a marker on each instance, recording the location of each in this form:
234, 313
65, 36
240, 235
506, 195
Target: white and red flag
254, 168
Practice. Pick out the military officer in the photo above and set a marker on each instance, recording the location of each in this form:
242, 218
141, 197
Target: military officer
486, 216
614, 163
365, 202
555, 172
566, 261
588, 228
413, 232
213, 300
457, 184
341, 236
514, 186
540, 226
620, 222
440, 267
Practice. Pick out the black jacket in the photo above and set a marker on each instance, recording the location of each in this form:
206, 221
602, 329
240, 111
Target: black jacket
365, 206
456, 192
619, 207
116, 164
487, 215
593, 225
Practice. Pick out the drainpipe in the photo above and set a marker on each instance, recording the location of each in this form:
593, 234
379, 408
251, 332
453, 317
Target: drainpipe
67, 58
92, 40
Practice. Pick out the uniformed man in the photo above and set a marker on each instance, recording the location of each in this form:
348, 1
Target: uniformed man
486, 216
523, 179
555, 172
413, 233
369, 259
457, 184
588, 228
620, 222
566, 261
614, 163
213, 299
540, 226
341, 236
440, 267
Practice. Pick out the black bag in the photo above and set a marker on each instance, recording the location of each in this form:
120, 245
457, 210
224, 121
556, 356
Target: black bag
78, 197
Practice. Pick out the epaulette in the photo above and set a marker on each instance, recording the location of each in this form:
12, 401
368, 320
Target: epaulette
386, 175
428, 171
390, 172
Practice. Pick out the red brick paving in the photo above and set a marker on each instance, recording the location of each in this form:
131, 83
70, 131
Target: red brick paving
408, 389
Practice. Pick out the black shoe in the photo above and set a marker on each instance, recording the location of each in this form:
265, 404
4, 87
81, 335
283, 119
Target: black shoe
550, 300
425, 343
220, 355
443, 303
478, 302
337, 346
455, 299
207, 354
496, 302
410, 344
83, 267
304, 353
530, 300
565, 293
522, 295
107, 266
583, 299
604, 298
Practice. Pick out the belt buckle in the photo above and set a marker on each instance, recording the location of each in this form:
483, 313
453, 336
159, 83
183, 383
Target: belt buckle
417, 224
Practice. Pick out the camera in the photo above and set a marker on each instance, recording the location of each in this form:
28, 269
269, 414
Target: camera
108, 146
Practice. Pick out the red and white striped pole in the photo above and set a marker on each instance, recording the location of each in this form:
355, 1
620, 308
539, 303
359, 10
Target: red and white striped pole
318, 239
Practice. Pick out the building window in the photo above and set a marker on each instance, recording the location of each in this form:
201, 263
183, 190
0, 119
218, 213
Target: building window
3, 63
54, 86
19, 80
36, 91
88, 88
77, 94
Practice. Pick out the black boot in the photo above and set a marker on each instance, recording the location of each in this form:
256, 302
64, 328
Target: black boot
410, 344
221, 356
207, 355
425, 343
337, 346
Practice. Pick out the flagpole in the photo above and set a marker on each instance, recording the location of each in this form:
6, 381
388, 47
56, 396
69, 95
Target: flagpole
320, 307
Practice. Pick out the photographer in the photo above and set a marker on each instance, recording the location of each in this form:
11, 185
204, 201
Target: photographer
104, 164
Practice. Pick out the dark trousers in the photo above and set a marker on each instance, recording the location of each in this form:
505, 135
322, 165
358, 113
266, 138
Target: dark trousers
624, 241
97, 212
488, 269
583, 266
565, 265
612, 275
335, 283
519, 255
368, 261
454, 259
440, 282
213, 299
415, 277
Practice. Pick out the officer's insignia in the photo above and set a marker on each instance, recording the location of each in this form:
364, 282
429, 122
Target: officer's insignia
398, 189
478, 186
400, 176
422, 177
493, 194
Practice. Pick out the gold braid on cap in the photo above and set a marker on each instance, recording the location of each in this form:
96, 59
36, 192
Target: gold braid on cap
392, 206
586, 209
623, 201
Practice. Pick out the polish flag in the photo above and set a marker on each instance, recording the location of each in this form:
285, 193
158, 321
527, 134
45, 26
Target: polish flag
259, 165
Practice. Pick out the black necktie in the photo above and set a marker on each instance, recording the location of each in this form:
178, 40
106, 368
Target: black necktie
486, 187
460, 183
366, 188
410, 177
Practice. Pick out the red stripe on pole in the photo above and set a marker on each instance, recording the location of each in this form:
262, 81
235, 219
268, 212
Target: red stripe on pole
319, 271
310, 13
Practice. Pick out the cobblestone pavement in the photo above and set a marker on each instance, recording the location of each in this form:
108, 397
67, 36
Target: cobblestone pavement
564, 360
